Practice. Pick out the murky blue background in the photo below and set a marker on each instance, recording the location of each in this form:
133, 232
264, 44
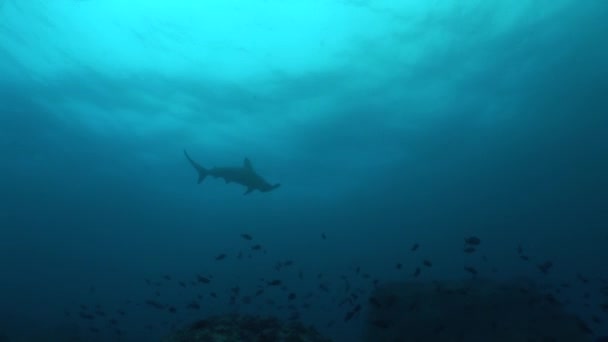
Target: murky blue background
387, 123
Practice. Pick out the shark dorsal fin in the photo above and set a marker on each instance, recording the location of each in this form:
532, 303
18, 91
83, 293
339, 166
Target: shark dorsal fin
247, 164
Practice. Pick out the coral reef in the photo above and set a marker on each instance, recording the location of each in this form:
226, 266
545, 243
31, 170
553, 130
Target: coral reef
475, 310
237, 328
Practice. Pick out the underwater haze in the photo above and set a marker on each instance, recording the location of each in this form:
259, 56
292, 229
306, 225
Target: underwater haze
387, 124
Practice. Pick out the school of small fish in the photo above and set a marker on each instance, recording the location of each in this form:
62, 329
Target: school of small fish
349, 293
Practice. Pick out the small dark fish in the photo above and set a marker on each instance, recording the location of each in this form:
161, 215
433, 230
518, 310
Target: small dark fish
203, 280
352, 313
155, 304
524, 257
551, 299
469, 250
471, 270
414, 306
582, 278
380, 323
398, 266
375, 302
256, 247
275, 282
167, 277
472, 240
427, 263
247, 237
172, 309
439, 329
213, 294
545, 267
220, 257
415, 247
291, 296
583, 327
182, 284
193, 306
323, 236
417, 272
85, 315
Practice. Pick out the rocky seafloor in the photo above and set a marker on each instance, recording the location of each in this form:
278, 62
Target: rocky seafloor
470, 311
237, 328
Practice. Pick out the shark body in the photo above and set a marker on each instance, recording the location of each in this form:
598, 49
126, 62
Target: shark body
244, 175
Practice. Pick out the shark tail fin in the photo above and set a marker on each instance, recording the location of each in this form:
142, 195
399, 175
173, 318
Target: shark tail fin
202, 172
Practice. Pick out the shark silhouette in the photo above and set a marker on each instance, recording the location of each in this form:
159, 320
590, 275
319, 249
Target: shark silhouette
244, 175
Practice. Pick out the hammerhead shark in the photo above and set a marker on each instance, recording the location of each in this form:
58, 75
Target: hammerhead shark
244, 175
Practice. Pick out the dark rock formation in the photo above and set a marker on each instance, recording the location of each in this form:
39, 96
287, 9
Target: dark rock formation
470, 311
237, 328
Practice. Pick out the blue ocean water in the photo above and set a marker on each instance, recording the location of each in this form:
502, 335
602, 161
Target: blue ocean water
387, 124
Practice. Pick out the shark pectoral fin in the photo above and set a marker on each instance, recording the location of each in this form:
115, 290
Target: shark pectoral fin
249, 190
